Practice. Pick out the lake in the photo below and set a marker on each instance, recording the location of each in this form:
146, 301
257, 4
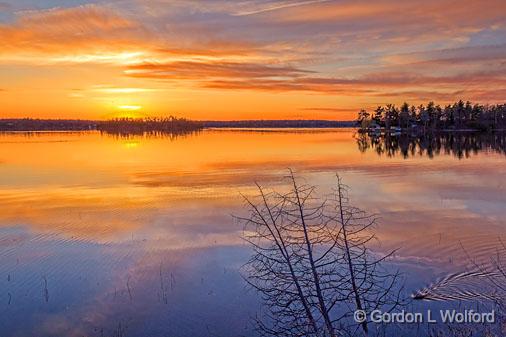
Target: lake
104, 235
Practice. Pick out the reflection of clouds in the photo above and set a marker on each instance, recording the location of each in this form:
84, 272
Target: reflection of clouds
74, 212
234, 176
138, 210
180, 216
190, 199
429, 213
186, 292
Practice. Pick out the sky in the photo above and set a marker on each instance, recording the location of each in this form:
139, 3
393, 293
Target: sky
257, 59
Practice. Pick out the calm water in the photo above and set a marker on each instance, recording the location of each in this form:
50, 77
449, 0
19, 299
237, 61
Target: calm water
108, 236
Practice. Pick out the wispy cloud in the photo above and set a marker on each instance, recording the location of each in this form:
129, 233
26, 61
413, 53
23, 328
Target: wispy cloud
81, 34
277, 6
476, 86
120, 90
4, 6
211, 69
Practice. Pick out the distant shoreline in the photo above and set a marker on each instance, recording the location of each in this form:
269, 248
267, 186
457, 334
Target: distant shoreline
24, 124
74, 125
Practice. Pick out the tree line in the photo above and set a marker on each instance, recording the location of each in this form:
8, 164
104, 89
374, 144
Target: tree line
169, 124
32, 124
156, 124
279, 123
457, 116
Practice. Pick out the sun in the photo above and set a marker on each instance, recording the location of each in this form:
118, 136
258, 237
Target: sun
130, 107
129, 111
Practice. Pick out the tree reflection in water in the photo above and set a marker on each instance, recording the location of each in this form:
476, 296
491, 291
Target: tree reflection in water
458, 144
312, 264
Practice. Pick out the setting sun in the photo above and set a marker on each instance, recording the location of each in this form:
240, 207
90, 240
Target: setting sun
129, 111
130, 107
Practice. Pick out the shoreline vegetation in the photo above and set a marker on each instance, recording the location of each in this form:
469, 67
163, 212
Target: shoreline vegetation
129, 126
116, 126
456, 117
157, 125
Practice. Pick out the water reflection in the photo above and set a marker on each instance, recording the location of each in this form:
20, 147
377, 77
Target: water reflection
131, 134
114, 134
312, 264
460, 145
90, 212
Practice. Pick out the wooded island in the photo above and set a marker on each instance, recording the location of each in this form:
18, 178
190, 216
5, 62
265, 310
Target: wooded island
458, 116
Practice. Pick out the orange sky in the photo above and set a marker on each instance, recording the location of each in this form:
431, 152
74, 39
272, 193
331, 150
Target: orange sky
258, 59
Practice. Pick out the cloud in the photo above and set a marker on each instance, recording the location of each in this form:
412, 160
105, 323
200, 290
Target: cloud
4, 6
102, 34
372, 50
370, 85
379, 33
456, 59
382, 15
64, 32
277, 6
193, 70
211, 48
108, 89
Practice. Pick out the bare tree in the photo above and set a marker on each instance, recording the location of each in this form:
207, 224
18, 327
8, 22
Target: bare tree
311, 262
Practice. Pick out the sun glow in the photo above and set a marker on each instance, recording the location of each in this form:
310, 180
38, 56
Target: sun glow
91, 59
123, 90
130, 107
129, 111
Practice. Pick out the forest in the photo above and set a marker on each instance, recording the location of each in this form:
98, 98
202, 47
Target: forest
452, 117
